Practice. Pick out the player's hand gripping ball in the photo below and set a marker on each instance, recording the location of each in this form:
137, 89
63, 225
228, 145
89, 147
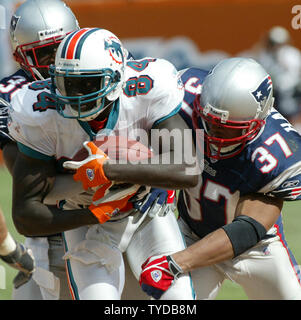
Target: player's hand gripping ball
90, 170
88, 161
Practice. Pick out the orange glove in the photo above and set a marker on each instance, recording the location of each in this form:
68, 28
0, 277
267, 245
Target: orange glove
90, 170
106, 204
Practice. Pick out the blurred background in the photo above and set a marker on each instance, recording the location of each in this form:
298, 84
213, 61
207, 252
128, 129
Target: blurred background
193, 33
197, 33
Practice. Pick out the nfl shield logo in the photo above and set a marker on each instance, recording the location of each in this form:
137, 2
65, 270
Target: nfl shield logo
156, 275
90, 174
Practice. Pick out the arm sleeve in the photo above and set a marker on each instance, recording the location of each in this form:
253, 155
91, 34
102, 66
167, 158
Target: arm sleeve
286, 185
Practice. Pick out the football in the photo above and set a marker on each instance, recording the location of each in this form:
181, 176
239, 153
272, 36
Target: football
118, 148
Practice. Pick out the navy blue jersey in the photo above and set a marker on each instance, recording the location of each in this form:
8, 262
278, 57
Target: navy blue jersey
8, 87
270, 164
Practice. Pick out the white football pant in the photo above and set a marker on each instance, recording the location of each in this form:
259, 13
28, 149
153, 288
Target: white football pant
35, 289
49, 281
94, 255
265, 272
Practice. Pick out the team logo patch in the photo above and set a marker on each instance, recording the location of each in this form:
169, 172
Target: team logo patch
114, 213
90, 174
156, 275
115, 50
290, 184
262, 92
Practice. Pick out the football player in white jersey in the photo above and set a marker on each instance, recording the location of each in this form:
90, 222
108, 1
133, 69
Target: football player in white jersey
93, 92
34, 43
232, 219
34, 47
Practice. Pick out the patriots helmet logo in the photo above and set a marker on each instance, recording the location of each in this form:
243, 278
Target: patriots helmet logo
13, 24
262, 92
115, 50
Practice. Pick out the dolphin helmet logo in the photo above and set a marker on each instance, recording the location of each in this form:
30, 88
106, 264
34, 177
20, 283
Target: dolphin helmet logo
115, 50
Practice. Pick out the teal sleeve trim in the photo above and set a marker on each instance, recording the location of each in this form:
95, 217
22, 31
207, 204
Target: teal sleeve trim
33, 153
175, 111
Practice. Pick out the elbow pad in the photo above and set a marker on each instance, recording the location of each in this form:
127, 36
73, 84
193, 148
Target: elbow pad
244, 232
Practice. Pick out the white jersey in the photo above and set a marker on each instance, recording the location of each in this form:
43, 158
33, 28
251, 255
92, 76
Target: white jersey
94, 254
152, 93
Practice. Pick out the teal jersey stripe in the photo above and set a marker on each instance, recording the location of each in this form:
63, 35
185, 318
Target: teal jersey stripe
113, 117
189, 274
69, 271
81, 42
175, 111
33, 153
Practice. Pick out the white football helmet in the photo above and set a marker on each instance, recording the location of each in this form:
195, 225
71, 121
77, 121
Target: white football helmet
88, 73
36, 29
236, 97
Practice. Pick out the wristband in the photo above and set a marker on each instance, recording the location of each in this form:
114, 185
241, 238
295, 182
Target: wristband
175, 269
8, 245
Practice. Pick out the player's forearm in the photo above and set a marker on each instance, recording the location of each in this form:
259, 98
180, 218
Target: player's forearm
37, 219
214, 248
156, 174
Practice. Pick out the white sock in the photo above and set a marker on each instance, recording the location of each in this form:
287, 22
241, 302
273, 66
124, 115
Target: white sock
8, 245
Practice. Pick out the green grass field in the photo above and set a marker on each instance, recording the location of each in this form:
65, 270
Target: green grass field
229, 291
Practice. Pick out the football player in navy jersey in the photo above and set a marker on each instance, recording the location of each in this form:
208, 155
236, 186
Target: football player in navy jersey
34, 46
251, 164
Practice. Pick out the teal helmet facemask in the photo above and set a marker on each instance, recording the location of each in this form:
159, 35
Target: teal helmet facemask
88, 73
84, 91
